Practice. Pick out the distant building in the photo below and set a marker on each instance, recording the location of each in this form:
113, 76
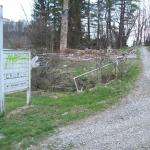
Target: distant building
15, 26
15, 35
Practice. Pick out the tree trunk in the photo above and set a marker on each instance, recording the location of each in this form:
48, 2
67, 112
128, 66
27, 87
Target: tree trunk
109, 34
88, 20
98, 25
64, 26
121, 24
75, 27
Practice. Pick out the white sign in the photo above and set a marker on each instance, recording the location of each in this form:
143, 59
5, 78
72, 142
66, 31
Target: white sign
16, 71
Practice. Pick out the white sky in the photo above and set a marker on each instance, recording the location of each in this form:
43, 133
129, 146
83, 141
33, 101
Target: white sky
12, 9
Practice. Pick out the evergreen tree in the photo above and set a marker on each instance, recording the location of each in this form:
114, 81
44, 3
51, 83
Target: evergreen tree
90, 25
46, 23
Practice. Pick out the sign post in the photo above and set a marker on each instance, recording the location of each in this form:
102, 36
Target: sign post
15, 70
1, 62
28, 95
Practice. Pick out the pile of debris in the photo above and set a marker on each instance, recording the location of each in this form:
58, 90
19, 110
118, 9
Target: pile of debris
87, 54
50, 74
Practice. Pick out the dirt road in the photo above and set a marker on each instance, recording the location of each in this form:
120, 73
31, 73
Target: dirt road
125, 126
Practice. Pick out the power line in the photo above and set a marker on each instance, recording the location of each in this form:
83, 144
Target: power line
24, 11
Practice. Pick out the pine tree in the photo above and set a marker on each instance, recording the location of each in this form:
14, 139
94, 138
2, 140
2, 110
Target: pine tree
93, 25
45, 28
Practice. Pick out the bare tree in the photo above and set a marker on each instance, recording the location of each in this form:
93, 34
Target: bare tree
141, 27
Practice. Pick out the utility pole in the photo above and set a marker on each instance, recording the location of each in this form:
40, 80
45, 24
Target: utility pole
64, 26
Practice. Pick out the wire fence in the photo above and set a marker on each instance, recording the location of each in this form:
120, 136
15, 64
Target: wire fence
100, 75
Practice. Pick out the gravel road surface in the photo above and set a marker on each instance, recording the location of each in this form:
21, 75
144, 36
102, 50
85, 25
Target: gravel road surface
125, 126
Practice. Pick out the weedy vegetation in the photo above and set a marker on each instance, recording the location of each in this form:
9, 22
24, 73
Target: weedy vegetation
47, 113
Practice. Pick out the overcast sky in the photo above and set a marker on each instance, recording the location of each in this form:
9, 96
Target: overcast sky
13, 9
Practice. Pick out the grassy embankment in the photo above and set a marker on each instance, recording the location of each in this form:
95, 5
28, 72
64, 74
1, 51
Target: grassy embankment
48, 113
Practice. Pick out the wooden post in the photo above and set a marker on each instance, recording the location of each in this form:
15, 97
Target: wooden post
116, 67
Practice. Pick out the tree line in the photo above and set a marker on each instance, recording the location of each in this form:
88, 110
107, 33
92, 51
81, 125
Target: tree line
85, 24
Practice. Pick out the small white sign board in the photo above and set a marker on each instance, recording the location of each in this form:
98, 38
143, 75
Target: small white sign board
17, 71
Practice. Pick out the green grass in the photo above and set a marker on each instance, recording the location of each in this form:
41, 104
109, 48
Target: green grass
83, 67
27, 127
125, 49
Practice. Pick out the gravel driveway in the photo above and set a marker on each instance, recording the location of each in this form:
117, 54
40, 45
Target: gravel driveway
125, 126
